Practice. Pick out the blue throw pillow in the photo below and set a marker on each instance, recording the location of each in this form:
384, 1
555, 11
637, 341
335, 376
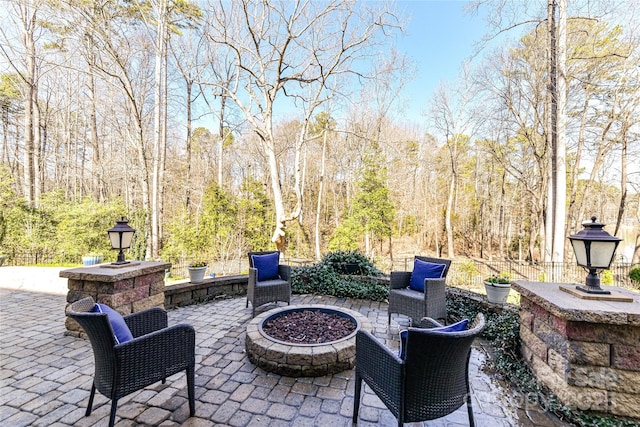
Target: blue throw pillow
454, 327
267, 266
424, 270
121, 331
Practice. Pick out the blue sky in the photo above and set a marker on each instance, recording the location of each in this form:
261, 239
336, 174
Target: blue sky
439, 38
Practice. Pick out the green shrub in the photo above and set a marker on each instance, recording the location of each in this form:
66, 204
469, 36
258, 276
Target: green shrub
364, 264
634, 275
323, 278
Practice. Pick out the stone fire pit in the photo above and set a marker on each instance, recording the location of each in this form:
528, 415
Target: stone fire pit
303, 360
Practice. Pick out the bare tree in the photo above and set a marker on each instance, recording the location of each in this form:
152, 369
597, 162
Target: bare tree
288, 52
453, 115
556, 123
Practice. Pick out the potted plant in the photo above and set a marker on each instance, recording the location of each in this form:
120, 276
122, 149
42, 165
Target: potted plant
497, 288
92, 258
197, 270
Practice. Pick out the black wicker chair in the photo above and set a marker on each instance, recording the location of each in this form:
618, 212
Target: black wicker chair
416, 304
155, 352
431, 382
266, 291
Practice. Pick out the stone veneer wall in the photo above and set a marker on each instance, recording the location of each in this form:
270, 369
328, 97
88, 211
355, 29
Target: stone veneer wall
127, 293
589, 366
182, 294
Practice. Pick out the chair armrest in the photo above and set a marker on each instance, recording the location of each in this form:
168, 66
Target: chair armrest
478, 323
284, 271
146, 321
151, 355
435, 288
399, 279
253, 276
380, 367
427, 323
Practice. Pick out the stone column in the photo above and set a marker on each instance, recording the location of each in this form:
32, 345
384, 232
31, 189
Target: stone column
586, 351
129, 288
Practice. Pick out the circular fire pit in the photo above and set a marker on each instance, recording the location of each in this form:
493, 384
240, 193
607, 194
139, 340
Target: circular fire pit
303, 360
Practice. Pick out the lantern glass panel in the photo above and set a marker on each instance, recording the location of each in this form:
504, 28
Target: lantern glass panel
127, 236
114, 237
579, 249
602, 253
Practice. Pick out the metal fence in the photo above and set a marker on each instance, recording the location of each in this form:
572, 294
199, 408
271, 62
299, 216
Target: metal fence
473, 272
31, 258
467, 273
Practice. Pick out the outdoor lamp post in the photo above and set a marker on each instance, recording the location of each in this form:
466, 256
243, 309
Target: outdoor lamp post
594, 249
120, 236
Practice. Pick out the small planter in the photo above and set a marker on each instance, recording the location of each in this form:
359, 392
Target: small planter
91, 260
196, 274
497, 292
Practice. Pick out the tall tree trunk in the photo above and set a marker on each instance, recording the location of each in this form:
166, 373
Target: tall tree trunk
163, 154
320, 188
37, 150
623, 178
447, 218
189, 139
28, 22
159, 106
550, 117
221, 133
559, 152
96, 178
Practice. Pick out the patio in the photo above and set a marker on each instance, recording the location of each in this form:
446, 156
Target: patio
46, 376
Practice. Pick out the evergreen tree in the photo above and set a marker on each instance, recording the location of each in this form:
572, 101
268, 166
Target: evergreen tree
372, 212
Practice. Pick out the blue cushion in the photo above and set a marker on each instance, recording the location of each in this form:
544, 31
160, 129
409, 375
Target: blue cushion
121, 331
454, 327
424, 270
267, 266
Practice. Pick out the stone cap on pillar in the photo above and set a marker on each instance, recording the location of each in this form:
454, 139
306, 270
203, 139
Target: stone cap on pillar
567, 306
101, 273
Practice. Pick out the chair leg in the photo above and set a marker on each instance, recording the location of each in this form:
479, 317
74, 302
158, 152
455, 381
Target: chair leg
112, 417
191, 390
356, 397
470, 411
389, 319
90, 405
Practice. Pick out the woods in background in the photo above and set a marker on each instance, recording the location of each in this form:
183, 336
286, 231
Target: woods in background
221, 127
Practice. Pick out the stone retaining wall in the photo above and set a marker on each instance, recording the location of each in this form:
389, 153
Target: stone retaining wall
188, 293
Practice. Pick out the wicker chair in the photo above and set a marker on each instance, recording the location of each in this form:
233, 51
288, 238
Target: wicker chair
432, 381
416, 304
155, 352
263, 292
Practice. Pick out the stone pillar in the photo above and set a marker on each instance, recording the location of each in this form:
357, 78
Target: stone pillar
587, 352
129, 288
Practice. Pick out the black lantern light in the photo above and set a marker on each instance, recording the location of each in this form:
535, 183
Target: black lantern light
594, 249
120, 236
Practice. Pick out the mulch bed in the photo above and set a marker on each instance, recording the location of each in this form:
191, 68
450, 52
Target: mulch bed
309, 327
